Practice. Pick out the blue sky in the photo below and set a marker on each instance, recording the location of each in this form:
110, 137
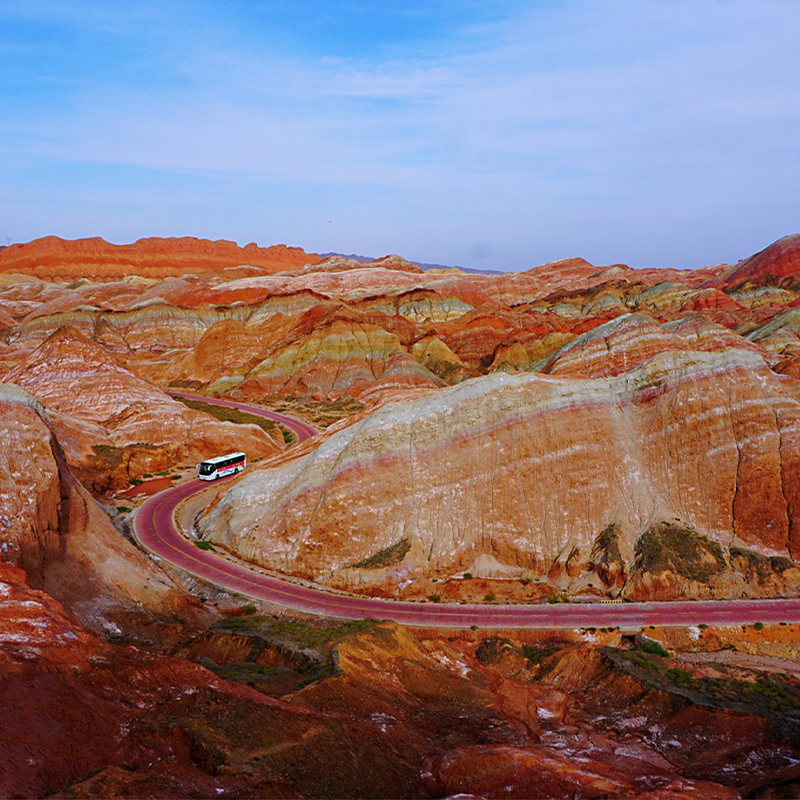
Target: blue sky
489, 134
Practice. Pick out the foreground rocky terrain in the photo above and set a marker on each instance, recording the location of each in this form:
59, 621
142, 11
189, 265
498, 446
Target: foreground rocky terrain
571, 431
267, 707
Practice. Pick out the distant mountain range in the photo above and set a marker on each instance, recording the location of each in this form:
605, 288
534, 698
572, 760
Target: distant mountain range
420, 264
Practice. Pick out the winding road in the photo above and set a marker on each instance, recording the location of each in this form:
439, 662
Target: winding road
155, 528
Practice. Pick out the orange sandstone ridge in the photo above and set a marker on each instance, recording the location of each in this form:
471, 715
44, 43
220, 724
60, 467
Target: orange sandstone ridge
53, 257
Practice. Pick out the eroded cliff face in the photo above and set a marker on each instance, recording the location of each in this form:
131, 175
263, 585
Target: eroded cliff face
520, 476
54, 530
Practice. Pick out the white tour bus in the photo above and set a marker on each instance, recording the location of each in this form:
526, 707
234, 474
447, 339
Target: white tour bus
220, 466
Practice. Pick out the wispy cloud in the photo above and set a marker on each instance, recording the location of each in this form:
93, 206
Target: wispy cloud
656, 133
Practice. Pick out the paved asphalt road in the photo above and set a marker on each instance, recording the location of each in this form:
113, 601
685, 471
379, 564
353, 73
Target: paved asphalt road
154, 525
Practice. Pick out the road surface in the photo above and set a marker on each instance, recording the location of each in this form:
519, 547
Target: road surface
155, 528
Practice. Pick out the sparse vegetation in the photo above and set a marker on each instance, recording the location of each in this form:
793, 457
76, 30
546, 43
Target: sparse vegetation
649, 646
123, 509
559, 597
393, 554
758, 625
322, 412
606, 545
109, 457
300, 633
467, 576
435, 598
489, 597
680, 549
225, 414
489, 650
249, 608
764, 695
754, 564
536, 654
203, 545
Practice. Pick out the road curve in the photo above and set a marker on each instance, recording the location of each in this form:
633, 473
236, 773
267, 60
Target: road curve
154, 527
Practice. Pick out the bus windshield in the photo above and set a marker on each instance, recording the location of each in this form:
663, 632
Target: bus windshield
207, 469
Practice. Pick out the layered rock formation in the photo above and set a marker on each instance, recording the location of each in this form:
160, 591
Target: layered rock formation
571, 430
52, 528
114, 426
520, 476
83, 258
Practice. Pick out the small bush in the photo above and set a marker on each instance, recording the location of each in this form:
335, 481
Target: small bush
248, 609
467, 576
653, 647
393, 554
489, 597
434, 598
123, 509
203, 545
135, 481
758, 625
535, 654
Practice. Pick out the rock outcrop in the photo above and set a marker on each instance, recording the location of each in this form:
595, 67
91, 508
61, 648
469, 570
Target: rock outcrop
54, 530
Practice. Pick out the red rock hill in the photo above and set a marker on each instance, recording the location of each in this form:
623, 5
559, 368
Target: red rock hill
152, 257
778, 264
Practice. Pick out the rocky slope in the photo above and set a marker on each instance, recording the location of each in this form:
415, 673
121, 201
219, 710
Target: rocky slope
54, 530
116, 427
393, 714
522, 476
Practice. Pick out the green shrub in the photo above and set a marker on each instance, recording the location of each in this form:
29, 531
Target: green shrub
248, 609
393, 554
203, 545
135, 481
467, 576
649, 646
677, 547
123, 509
434, 598
758, 625
489, 597
536, 654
